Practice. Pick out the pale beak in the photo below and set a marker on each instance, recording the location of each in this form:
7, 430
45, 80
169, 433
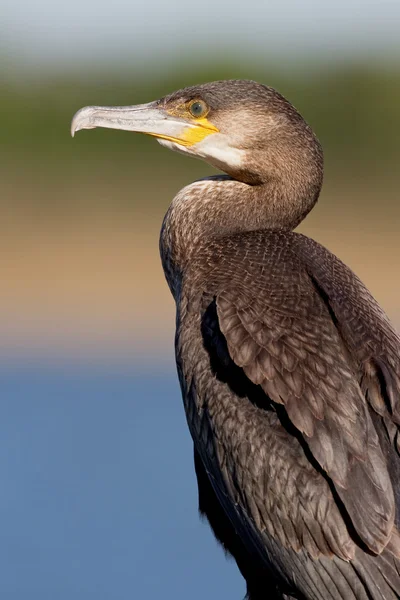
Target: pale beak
145, 118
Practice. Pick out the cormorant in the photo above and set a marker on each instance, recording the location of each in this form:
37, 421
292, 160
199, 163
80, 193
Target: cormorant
289, 369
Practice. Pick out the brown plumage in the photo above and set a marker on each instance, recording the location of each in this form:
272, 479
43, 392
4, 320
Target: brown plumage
290, 371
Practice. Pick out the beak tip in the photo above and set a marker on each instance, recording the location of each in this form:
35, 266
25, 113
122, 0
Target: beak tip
82, 119
74, 125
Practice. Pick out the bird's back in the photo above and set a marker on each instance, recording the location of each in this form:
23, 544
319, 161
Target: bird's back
290, 377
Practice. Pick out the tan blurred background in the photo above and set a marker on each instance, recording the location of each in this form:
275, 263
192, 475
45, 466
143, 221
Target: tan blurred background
81, 276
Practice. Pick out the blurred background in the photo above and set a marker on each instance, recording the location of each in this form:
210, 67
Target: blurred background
98, 496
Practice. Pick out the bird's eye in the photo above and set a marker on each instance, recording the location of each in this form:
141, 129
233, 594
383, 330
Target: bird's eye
198, 108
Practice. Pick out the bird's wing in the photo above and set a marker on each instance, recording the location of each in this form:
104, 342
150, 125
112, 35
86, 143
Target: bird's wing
364, 327
281, 333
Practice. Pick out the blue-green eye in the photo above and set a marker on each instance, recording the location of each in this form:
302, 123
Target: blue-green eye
198, 108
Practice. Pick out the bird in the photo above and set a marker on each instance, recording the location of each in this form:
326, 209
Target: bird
289, 369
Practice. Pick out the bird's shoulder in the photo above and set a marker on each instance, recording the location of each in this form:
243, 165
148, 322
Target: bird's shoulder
260, 265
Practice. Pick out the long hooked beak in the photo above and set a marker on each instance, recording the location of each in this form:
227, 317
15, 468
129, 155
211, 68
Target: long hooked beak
145, 118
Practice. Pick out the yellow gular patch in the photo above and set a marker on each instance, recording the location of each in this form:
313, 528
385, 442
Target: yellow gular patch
170, 138
192, 135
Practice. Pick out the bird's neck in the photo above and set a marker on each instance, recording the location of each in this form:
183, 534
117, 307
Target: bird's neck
220, 206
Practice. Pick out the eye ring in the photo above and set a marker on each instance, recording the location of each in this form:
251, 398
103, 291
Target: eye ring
198, 109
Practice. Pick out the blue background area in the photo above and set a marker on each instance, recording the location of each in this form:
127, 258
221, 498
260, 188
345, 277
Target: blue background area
98, 496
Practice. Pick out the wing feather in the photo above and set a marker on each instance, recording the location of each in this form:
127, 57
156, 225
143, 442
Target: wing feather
288, 420
280, 331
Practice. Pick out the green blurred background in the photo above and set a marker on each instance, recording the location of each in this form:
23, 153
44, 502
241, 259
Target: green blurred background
98, 498
80, 217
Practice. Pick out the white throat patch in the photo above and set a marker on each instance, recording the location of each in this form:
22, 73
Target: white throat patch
217, 150
214, 149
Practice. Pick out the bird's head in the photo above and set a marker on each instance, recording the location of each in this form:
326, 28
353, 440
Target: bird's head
242, 127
